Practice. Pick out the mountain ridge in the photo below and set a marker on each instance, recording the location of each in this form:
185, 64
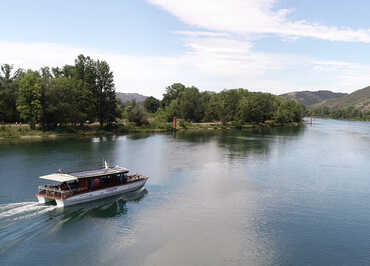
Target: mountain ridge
359, 99
125, 97
309, 98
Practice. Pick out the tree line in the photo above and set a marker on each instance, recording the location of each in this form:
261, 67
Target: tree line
85, 93
73, 94
237, 105
345, 113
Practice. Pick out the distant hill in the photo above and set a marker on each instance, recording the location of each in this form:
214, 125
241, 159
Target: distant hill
312, 97
359, 99
126, 97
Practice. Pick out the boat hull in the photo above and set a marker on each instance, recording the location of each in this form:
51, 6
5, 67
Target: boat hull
100, 194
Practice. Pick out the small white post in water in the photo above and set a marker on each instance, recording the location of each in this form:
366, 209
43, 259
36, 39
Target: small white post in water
105, 164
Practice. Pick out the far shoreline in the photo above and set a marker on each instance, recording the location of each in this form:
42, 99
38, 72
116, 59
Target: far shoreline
17, 132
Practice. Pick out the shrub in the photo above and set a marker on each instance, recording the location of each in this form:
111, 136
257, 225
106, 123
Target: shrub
137, 115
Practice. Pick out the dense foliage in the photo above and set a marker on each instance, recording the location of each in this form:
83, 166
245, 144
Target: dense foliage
74, 94
228, 105
84, 93
136, 114
9, 84
152, 104
348, 113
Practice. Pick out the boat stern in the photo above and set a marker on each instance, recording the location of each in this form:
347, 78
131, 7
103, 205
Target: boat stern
60, 203
42, 200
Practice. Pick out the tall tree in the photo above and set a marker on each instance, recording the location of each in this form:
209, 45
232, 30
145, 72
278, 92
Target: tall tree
85, 73
172, 93
29, 98
189, 104
46, 78
105, 94
66, 100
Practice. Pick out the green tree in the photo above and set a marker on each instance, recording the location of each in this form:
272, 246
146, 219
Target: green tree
289, 111
151, 104
231, 101
136, 114
172, 93
257, 107
9, 93
29, 98
220, 108
105, 94
46, 78
85, 72
172, 110
189, 105
209, 101
66, 99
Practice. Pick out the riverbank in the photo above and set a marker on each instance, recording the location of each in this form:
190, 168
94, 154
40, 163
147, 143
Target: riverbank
24, 132
360, 119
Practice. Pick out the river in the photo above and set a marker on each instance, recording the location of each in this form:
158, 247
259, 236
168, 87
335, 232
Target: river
261, 197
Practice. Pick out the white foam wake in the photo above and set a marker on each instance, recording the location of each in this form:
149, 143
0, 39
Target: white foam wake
15, 211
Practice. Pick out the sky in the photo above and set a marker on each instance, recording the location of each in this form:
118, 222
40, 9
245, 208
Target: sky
274, 46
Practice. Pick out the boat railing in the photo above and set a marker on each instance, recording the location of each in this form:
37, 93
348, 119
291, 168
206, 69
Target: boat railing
58, 192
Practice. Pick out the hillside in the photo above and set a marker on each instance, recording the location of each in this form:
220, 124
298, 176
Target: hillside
312, 97
126, 97
359, 99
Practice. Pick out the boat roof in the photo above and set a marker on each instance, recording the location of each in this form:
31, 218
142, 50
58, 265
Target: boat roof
62, 177
59, 177
100, 172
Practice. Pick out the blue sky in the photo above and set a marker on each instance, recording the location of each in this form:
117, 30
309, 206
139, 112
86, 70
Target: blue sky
266, 45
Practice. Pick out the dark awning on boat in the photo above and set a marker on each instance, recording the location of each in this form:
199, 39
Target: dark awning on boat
99, 172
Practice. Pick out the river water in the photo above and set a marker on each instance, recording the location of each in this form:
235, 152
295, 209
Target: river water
263, 197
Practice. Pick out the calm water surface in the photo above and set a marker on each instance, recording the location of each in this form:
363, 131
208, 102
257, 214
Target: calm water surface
277, 197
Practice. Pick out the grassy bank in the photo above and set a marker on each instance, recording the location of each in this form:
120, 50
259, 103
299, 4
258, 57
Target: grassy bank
13, 131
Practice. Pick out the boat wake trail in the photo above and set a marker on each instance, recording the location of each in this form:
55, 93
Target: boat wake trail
20, 221
21, 210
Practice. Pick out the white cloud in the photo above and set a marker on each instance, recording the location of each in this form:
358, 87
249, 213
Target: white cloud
255, 16
220, 57
131, 74
210, 63
201, 33
347, 76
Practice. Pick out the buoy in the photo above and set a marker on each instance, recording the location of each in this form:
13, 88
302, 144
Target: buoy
174, 123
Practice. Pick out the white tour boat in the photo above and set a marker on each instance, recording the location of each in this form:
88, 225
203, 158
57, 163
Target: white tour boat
84, 186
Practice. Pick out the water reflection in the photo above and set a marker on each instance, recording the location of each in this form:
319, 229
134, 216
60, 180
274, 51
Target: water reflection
240, 144
279, 131
139, 135
105, 208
